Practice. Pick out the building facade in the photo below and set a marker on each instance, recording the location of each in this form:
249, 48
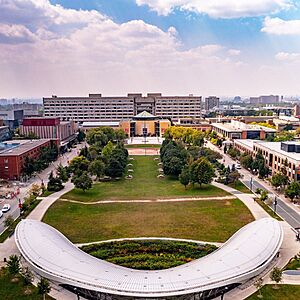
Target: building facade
49, 128
98, 108
5, 133
281, 157
264, 99
13, 154
240, 130
211, 102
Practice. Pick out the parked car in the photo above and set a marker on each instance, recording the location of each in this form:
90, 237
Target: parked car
5, 208
238, 166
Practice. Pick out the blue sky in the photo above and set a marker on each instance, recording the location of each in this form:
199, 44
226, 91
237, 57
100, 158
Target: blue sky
246, 46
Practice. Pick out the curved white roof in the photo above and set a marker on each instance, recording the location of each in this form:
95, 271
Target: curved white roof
243, 256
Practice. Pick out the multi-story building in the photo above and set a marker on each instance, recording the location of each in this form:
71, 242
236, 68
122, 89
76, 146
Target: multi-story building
13, 154
211, 102
50, 128
279, 156
240, 130
98, 108
12, 118
5, 133
264, 99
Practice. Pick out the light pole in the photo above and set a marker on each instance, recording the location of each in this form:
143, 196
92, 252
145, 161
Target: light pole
275, 203
76, 292
224, 292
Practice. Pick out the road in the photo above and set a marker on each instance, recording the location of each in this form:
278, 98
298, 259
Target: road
24, 188
287, 211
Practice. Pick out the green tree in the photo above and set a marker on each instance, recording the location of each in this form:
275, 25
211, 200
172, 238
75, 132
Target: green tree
293, 190
80, 136
184, 176
202, 171
276, 275
233, 176
13, 264
62, 173
83, 181
107, 150
27, 275
120, 134
54, 183
246, 161
259, 284
78, 165
29, 166
279, 180
173, 166
43, 287
97, 168
9, 221
263, 195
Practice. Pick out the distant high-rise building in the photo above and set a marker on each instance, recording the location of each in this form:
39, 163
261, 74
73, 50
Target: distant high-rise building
98, 108
264, 99
211, 102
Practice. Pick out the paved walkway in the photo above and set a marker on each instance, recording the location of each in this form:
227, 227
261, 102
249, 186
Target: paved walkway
151, 200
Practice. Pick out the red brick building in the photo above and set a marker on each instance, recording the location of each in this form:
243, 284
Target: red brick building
13, 154
50, 128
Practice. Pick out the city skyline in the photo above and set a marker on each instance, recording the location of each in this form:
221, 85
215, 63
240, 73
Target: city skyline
176, 47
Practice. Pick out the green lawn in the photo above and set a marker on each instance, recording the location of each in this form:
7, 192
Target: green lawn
238, 185
294, 263
144, 185
13, 288
149, 254
205, 220
284, 292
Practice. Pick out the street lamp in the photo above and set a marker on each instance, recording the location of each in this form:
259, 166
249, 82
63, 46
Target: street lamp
275, 203
76, 292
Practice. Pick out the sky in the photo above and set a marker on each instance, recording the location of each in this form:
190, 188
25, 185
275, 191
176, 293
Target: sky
176, 47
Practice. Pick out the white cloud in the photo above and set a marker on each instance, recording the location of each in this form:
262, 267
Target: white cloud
74, 52
281, 27
13, 34
288, 57
219, 8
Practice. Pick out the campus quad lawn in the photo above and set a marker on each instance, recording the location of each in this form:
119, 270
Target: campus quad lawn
10, 290
238, 185
144, 185
206, 220
284, 292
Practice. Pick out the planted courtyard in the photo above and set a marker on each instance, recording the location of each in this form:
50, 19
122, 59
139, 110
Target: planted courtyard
149, 254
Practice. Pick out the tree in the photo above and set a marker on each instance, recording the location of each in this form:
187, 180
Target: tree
27, 275
83, 181
263, 195
173, 165
184, 176
202, 171
246, 161
120, 134
258, 284
276, 275
13, 264
28, 167
97, 168
43, 287
35, 190
80, 136
9, 221
62, 173
279, 180
293, 190
107, 150
233, 176
78, 164
54, 183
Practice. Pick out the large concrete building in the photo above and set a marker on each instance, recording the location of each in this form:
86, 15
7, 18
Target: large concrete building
279, 156
50, 128
98, 108
264, 99
240, 130
211, 102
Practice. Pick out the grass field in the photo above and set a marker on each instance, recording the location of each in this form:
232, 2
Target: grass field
284, 292
13, 288
294, 263
144, 185
238, 185
213, 221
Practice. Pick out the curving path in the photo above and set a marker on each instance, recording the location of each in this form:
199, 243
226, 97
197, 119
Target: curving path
246, 254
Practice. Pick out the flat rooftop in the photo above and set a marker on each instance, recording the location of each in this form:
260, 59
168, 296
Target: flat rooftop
240, 126
18, 147
272, 147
